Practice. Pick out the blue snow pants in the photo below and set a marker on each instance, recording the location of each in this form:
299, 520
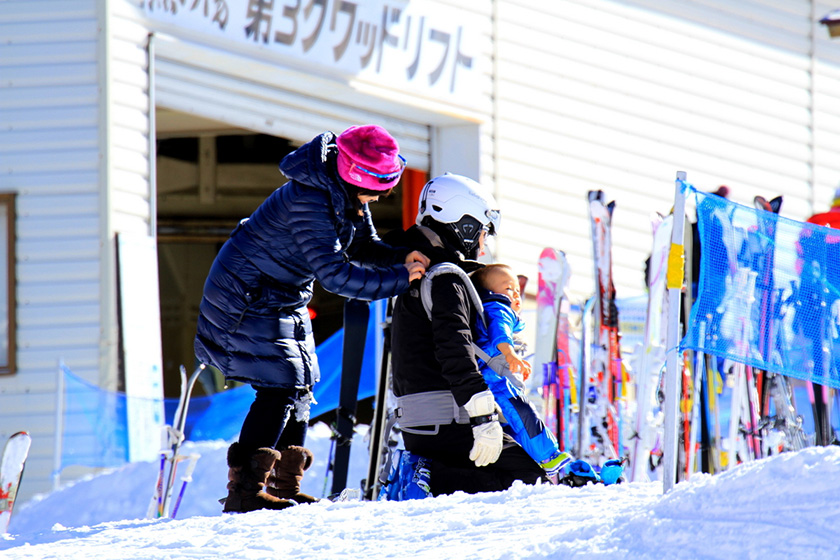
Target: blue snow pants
522, 421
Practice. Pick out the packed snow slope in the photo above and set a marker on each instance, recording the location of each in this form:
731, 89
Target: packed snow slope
783, 507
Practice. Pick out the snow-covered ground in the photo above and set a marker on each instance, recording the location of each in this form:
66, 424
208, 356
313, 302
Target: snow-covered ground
783, 507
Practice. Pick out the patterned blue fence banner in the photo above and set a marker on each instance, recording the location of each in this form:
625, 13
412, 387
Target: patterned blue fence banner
95, 433
769, 291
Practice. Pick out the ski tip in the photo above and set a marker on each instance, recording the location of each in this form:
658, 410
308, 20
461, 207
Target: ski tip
773, 205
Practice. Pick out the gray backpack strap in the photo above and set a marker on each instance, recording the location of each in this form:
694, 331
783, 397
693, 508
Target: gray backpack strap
499, 364
426, 298
480, 353
447, 268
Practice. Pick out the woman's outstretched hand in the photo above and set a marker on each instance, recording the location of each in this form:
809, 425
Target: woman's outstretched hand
417, 256
416, 270
416, 263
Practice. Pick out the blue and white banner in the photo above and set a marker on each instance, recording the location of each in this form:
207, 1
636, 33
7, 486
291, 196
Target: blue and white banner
769, 291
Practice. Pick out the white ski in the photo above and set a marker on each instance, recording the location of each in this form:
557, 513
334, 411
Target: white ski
15, 453
651, 358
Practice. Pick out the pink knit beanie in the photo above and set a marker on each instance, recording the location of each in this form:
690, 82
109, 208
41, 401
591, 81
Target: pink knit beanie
369, 157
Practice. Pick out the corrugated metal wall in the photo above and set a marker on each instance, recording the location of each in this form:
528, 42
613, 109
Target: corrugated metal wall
50, 150
619, 95
128, 133
589, 94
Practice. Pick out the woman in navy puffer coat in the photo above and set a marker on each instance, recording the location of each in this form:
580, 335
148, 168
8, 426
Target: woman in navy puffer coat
253, 323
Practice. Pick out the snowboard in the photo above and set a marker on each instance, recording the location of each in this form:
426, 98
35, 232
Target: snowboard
15, 453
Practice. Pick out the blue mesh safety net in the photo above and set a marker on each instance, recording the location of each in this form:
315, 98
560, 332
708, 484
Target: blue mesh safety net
769, 291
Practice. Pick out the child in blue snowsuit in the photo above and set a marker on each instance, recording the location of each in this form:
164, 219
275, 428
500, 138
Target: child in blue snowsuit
505, 375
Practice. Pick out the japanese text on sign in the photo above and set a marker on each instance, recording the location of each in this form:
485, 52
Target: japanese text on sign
377, 39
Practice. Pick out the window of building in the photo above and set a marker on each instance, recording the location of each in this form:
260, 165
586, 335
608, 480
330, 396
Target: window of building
7, 284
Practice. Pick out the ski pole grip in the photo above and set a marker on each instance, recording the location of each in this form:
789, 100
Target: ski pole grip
676, 266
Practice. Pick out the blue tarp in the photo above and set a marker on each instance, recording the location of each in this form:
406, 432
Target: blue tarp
220, 416
95, 432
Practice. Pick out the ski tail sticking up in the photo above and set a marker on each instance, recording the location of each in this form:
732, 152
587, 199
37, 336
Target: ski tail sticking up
606, 369
553, 354
781, 431
651, 359
173, 437
13, 461
356, 315
379, 441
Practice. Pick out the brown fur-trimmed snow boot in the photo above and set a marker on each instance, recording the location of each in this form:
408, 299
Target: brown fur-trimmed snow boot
247, 477
288, 472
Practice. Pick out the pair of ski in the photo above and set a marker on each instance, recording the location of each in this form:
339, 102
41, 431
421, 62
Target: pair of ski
173, 436
356, 319
753, 432
595, 405
604, 383
559, 396
783, 430
13, 460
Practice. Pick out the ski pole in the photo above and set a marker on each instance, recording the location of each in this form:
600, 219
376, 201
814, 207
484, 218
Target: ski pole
329, 467
193, 460
155, 505
178, 431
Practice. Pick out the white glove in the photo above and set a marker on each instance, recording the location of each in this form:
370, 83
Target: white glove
487, 432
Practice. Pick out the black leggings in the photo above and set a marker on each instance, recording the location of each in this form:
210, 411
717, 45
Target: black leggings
271, 420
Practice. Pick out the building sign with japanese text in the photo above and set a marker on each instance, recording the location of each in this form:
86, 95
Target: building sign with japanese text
417, 47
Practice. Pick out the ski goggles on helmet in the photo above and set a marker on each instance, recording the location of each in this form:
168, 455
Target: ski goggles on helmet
383, 177
495, 218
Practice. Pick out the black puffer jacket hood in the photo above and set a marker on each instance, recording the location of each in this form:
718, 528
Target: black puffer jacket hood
313, 164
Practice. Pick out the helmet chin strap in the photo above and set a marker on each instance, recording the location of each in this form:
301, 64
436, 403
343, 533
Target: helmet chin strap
468, 230
453, 237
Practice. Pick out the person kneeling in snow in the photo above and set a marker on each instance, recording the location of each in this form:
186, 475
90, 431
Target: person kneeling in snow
445, 410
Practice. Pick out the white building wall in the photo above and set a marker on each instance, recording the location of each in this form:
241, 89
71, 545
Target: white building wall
575, 95
826, 103
620, 95
128, 140
51, 156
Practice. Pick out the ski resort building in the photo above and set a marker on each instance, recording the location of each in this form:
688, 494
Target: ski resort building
134, 134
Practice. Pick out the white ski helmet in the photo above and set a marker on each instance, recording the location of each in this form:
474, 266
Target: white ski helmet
461, 204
